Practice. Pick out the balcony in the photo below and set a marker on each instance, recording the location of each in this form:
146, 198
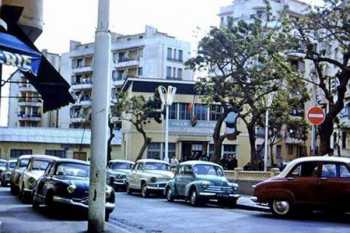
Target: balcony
29, 117
78, 119
127, 62
87, 84
34, 102
27, 88
84, 101
82, 69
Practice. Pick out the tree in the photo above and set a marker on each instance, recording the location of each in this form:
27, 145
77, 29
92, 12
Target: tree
139, 111
246, 64
324, 34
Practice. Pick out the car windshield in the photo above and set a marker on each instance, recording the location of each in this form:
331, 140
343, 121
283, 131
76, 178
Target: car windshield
3, 164
40, 165
73, 169
120, 165
23, 162
156, 166
206, 169
12, 164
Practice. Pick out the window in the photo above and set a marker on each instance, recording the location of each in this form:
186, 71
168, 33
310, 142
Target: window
180, 55
153, 151
140, 71
344, 171
201, 112
173, 112
230, 149
168, 72
175, 53
174, 73
329, 170
305, 170
171, 150
57, 153
15, 153
169, 53
215, 112
179, 73
184, 113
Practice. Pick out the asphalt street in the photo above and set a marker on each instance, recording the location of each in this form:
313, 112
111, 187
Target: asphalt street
155, 215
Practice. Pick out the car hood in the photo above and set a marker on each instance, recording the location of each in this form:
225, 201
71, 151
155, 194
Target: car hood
214, 180
36, 174
159, 174
2, 169
120, 172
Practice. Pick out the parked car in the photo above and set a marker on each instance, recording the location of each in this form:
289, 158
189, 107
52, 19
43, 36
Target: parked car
6, 175
65, 183
36, 167
3, 166
21, 164
313, 182
117, 172
199, 182
149, 176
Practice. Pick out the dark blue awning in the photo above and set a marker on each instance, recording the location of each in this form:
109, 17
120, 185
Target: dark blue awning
16, 53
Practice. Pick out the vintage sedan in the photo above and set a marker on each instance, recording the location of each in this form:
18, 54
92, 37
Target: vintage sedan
199, 182
36, 167
306, 184
65, 183
6, 175
3, 166
149, 176
22, 163
117, 172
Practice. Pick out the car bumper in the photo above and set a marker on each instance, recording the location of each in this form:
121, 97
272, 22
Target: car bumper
156, 187
119, 182
66, 201
210, 195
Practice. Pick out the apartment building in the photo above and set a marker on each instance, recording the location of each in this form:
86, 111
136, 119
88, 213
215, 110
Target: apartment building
148, 55
26, 105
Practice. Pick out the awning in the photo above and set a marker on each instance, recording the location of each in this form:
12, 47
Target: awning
52, 87
14, 52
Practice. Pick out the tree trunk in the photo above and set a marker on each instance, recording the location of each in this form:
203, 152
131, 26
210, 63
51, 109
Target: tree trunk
325, 132
218, 139
254, 159
109, 142
146, 142
217, 151
271, 155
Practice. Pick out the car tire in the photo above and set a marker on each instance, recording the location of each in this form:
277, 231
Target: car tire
144, 191
231, 203
35, 203
128, 189
281, 208
21, 193
13, 189
49, 201
169, 195
194, 199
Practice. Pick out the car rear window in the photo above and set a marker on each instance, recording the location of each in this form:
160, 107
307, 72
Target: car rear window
40, 165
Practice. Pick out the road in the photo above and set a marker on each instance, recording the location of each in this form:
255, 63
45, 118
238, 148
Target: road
156, 215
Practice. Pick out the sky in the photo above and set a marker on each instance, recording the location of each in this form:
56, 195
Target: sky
66, 20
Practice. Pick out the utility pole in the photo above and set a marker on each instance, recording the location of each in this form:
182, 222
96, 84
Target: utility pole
101, 92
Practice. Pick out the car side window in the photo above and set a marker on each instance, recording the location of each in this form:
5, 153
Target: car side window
139, 167
344, 171
188, 170
329, 170
307, 169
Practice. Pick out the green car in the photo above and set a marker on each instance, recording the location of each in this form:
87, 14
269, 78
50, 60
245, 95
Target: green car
200, 182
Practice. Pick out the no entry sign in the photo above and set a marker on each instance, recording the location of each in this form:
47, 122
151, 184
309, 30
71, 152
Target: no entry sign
315, 115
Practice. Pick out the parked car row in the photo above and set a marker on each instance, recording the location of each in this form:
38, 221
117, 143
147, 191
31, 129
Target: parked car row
6, 168
195, 181
55, 182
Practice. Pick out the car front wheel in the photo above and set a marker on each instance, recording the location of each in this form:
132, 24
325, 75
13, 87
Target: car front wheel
281, 208
144, 191
169, 195
194, 198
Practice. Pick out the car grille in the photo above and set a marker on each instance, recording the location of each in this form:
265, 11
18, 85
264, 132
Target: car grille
218, 189
118, 176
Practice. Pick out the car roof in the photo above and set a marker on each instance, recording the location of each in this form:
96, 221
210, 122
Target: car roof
324, 158
151, 160
64, 160
3, 160
12, 161
196, 162
44, 157
25, 157
121, 161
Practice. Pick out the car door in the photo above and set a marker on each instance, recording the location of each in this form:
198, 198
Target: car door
335, 184
187, 177
178, 181
303, 182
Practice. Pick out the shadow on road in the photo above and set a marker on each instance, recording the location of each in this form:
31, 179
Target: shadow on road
65, 214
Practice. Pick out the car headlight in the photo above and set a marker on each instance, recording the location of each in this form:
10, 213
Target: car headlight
234, 186
205, 184
153, 179
71, 188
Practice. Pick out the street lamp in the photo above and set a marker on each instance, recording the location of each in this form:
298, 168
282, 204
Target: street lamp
269, 102
167, 98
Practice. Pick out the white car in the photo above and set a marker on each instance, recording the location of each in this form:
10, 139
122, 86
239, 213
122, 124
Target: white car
117, 172
149, 176
35, 169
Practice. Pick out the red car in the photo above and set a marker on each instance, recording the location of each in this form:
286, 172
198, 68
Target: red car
315, 182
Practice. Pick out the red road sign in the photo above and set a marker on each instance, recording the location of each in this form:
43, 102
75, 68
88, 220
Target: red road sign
315, 115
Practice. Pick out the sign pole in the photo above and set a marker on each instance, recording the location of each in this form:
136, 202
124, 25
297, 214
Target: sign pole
315, 116
101, 91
